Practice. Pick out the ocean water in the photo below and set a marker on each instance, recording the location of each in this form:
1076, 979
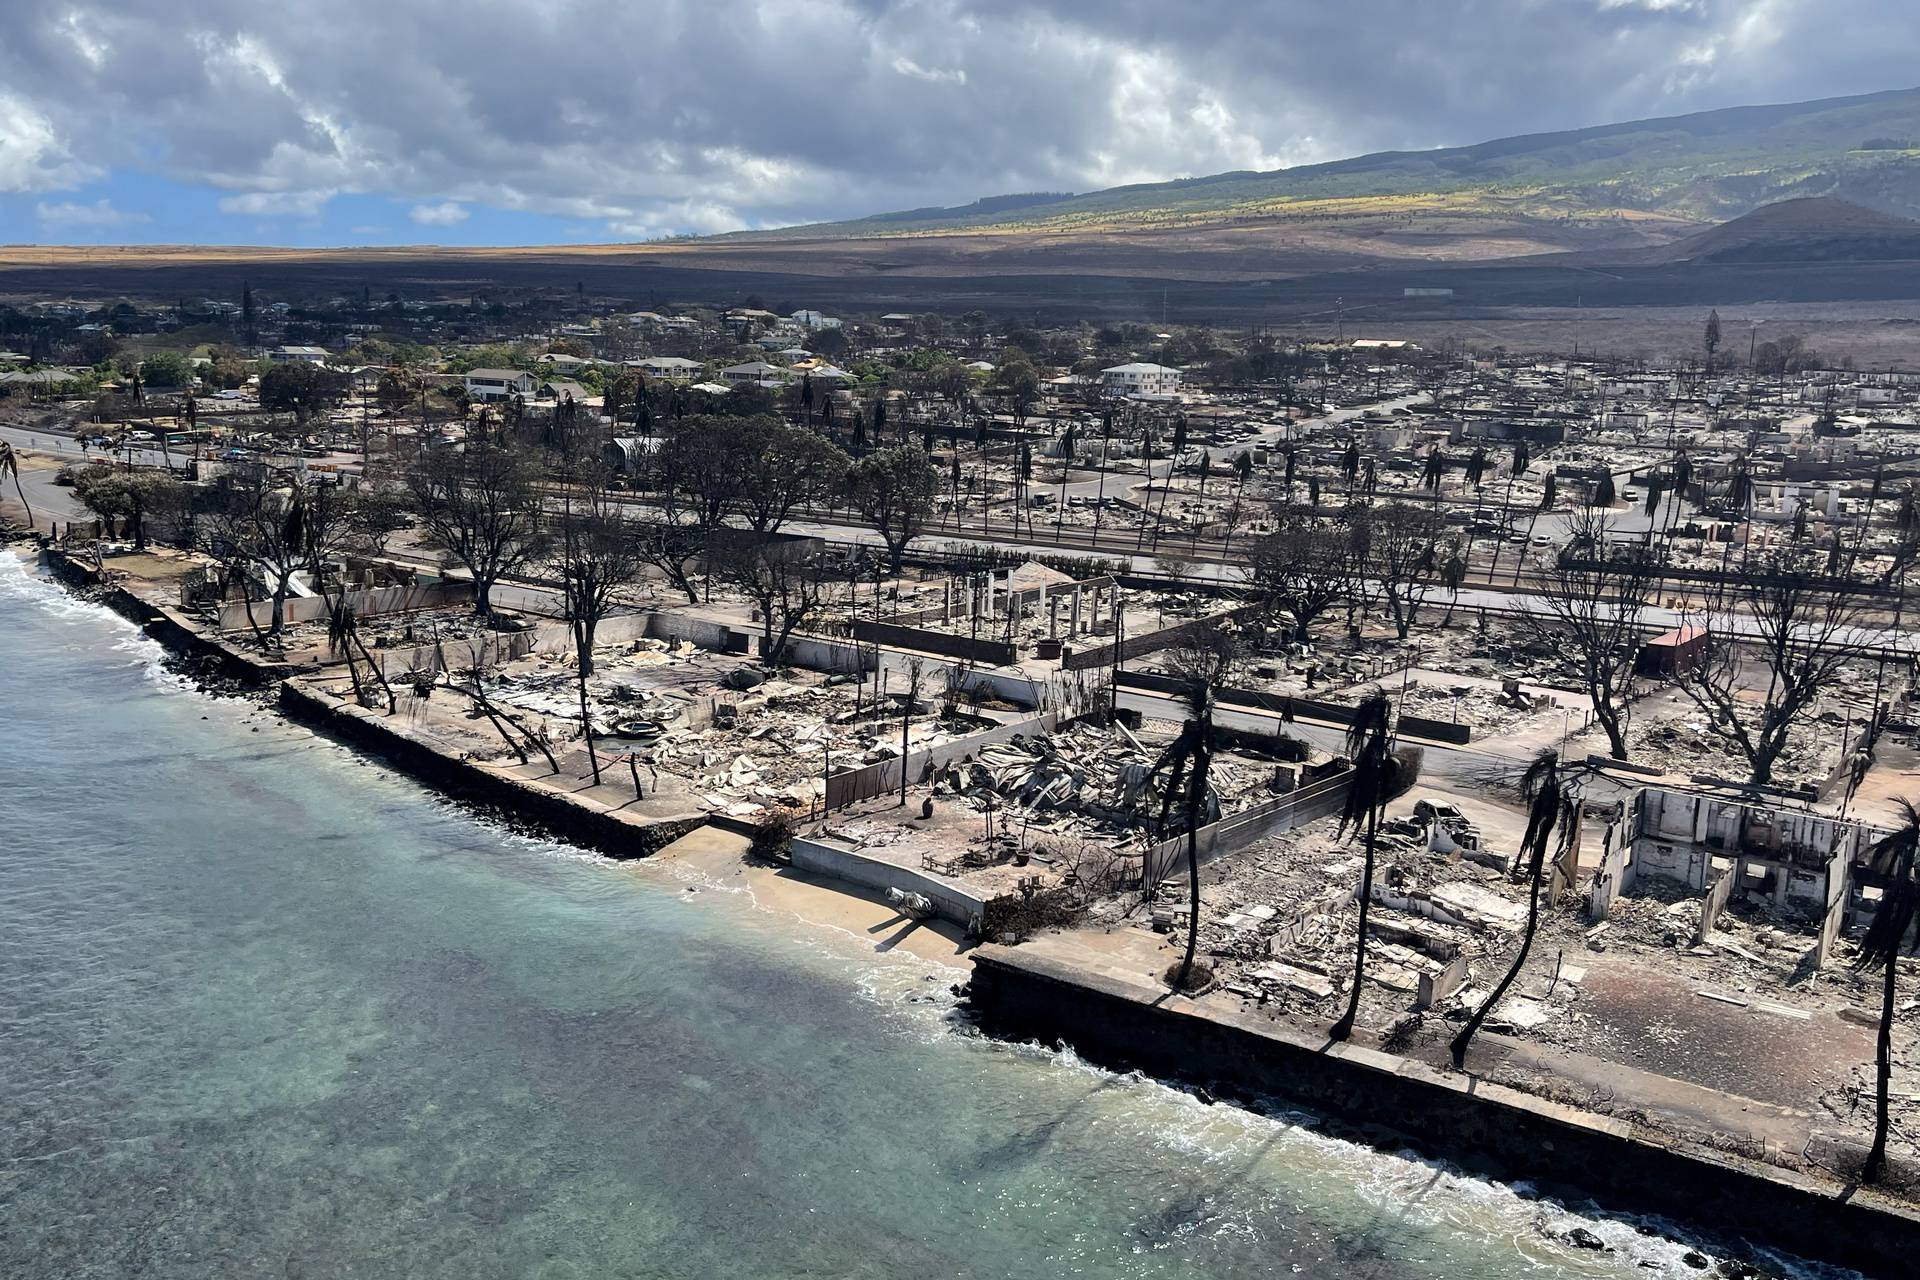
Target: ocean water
269, 1009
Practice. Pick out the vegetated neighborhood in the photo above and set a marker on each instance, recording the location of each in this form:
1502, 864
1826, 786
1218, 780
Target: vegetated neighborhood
1547, 717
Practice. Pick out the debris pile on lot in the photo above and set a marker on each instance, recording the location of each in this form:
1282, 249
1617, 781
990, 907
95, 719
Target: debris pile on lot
1093, 782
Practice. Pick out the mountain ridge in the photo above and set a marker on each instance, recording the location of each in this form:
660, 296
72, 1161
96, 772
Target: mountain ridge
1703, 166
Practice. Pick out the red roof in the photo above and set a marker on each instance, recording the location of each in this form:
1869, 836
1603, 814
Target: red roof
1677, 638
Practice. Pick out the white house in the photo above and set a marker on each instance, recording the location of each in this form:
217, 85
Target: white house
498, 384
814, 320
297, 355
756, 371
671, 368
1140, 379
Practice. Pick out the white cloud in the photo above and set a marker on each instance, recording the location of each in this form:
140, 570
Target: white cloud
96, 216
448, 213
277, 204
32, 156
685, 217
699, 114
908, 67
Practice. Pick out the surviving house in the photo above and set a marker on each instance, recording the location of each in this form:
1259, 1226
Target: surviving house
498, 384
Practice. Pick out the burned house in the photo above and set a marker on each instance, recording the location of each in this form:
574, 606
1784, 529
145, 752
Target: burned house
1748, 847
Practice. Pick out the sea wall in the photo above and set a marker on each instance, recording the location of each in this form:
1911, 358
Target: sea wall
1455, 1116
514, 799
837, 862
205, 653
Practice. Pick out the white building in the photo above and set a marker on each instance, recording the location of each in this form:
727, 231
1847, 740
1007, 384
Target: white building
814, 320
670, 368
297, 355
756, 371
1140, 380
498, 384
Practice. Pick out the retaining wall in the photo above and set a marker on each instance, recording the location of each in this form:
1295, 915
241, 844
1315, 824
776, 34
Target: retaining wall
836, 861
515, 799
1457, 1116
368, 604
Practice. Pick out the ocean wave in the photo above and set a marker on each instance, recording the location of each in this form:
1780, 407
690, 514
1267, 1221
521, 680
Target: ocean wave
1433, 1196
23, 583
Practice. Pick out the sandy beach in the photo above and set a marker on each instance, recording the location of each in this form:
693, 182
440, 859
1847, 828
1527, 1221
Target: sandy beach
719, 859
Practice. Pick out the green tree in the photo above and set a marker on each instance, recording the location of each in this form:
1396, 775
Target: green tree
167, 369
895, 490
132, 496
779, 468
1017, 382
301, 389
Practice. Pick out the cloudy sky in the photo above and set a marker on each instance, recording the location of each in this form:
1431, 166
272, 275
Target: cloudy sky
538, 121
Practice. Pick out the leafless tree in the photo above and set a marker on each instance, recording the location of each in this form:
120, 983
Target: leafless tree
594, 555
1397, 546
260, 523
1595, 599
1302, 569
787, 580
1782, 634
479, 508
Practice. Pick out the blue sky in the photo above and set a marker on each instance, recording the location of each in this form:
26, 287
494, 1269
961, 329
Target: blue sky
129, 206
569, 121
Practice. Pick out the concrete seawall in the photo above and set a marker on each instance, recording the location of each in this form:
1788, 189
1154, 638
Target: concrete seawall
1395, 1102
511, 799
205, 652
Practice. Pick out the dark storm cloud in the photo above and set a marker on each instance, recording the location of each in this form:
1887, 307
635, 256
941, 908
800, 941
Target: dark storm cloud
674, 115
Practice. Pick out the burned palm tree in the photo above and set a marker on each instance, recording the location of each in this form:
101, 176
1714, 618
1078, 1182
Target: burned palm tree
1369, 747
1185, 765
1453, 576
343, 636
10, 467
1547, 808
1739, 500
1891, 861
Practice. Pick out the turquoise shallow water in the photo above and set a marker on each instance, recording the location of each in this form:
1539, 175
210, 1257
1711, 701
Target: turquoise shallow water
267, 1009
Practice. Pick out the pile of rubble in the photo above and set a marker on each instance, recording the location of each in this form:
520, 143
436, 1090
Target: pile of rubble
1098, 783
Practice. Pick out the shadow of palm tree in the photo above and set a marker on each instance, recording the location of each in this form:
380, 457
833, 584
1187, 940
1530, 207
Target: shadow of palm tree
1019, 1148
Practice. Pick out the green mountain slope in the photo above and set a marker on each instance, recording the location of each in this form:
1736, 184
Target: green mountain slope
1708, 166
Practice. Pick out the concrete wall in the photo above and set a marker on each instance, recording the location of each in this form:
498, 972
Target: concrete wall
1078, 659
986, 652
1839, 893
490, 648
1716, 900
516, 800
1283, 813
1436, 730
883, 776
368, 604
835, 861
1458, 1116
